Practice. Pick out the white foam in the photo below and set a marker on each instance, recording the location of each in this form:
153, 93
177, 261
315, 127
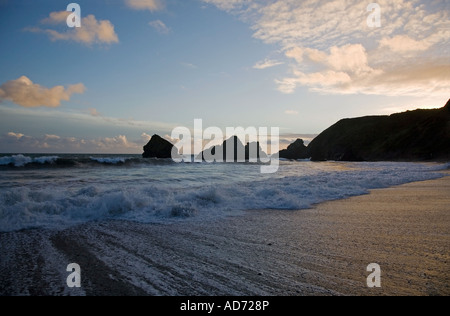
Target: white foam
57, 206
21, 160
46, 160
17, 161
112, 161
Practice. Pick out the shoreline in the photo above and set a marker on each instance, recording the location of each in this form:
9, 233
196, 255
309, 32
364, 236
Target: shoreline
319, 251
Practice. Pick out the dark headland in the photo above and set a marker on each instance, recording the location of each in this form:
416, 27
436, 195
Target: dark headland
420, 135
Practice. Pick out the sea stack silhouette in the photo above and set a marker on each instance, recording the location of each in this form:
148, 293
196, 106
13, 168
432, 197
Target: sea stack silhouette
158, 147
295, 151
232, 150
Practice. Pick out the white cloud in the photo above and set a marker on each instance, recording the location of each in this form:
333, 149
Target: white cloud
151, 5
91, 31
160, 27
17, 142
331, 49
291, 112
268, 63
25, 93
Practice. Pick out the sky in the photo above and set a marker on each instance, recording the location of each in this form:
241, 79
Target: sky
141, 67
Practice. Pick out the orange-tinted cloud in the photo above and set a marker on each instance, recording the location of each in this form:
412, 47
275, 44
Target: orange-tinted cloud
92, 31
331, 49
25, 93
151, 5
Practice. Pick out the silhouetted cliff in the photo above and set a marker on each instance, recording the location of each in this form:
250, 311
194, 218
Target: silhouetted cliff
411, 136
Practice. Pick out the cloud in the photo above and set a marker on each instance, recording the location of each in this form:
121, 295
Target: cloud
94, 113
267, 64
91, 31
151, 5
346, 70
349, 59
20, 143
228, 5
80, 123
52, 137
291, 112
25, 93
188, 65
330, 48
404, 43
339, 68
15, 135
160, 27
146, 137
114, 143
300, 54
56, 17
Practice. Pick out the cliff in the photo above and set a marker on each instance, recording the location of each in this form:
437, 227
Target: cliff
411, 136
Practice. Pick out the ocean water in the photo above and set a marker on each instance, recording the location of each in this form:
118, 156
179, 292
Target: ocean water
58, 191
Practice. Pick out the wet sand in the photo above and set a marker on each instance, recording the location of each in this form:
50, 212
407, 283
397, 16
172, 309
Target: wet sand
320, 251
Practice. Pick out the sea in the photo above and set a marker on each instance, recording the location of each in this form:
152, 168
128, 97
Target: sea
59, 191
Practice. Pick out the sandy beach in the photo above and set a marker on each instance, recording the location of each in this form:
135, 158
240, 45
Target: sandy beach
319, 251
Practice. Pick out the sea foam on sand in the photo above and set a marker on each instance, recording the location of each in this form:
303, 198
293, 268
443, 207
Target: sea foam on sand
49, 198
319, 251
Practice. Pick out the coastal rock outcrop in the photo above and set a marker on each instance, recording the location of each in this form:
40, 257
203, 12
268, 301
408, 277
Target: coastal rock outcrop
158, 147
254, 151
296, 150
418, 135
233, 151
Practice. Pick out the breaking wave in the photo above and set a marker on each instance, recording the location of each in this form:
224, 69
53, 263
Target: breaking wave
21, 160
67, 161
300, 185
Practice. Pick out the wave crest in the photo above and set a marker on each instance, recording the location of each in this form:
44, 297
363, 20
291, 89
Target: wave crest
58, 206
22, 161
